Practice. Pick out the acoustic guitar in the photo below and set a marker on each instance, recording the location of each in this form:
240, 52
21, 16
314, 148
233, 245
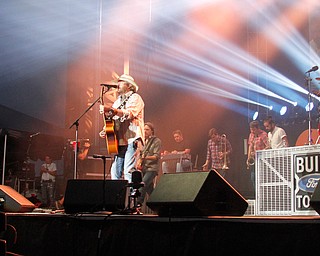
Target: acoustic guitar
111, 137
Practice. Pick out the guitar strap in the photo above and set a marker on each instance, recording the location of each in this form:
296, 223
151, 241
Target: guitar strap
121, 119
125, 100
148, 145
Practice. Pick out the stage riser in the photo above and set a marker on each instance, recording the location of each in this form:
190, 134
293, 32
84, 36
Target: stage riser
54, 234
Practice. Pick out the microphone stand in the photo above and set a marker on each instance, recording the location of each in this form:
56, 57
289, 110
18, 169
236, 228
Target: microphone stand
309, 110
26, 164
104, 179
76, 123
315, 68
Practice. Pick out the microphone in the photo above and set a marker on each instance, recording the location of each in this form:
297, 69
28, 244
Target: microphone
315, 68
35, 134
110, 85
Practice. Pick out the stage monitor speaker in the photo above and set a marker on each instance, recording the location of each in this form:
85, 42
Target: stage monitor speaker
13, 201
87, 196
315, 199
196, 194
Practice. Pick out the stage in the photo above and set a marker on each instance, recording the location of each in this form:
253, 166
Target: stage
187, 214
57, 233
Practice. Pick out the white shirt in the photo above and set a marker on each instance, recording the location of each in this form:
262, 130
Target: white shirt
132, 119
50, 167
276, 138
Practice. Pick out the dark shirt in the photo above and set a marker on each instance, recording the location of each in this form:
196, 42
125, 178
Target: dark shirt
152, 149
180, 146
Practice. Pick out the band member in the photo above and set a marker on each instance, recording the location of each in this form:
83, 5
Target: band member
277, 136
83, 163
149, 161
180, 147
258, 140
127, 113
218, 152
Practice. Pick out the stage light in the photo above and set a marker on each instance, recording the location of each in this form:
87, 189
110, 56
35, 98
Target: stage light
309, 106
255, 115
283, 110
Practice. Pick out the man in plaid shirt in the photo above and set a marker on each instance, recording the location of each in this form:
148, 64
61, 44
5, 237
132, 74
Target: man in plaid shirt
258, 140
218, 152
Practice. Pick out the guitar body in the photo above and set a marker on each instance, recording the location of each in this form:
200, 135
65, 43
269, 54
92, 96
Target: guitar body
140, 163
111, 138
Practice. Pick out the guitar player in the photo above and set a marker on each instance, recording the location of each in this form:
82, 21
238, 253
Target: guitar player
127, 115
149, 162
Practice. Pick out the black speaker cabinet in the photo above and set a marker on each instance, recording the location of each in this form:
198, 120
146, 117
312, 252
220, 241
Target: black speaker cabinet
315, 199
13, 201
196, 194
87, 195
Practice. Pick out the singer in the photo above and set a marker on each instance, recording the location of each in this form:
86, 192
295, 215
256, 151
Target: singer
128, 115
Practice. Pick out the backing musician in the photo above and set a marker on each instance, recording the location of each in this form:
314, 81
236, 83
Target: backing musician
218, 152
182, 149
148, 162
258, 140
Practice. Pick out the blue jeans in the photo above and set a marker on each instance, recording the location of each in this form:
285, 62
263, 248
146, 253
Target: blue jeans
117, 168
124, 165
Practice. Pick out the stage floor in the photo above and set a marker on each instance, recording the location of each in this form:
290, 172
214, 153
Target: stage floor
53, 233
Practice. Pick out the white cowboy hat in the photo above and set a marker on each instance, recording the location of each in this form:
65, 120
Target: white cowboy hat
129, 79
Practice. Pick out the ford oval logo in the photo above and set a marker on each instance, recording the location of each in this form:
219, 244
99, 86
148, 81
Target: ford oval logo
309, 182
